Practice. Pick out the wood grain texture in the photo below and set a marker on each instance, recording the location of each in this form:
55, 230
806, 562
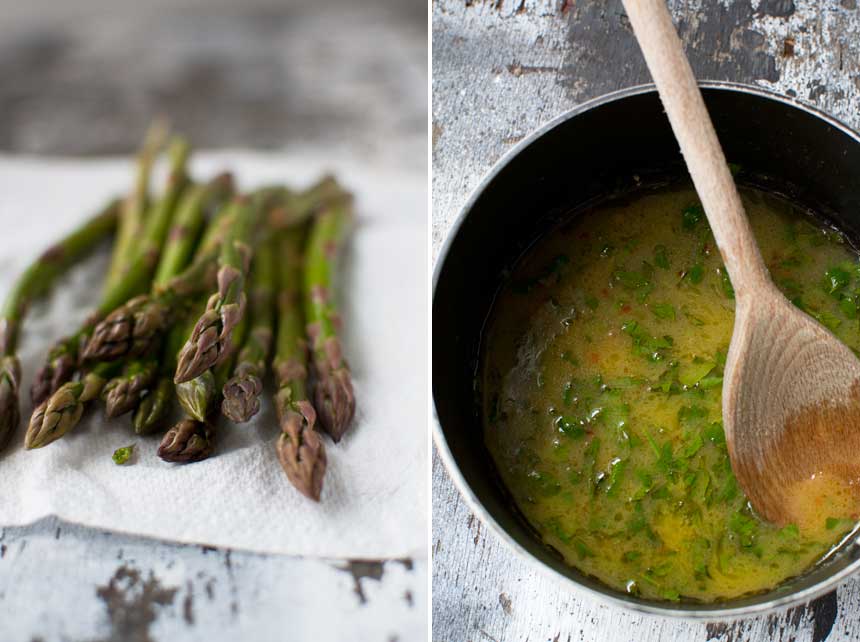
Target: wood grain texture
67, 583
501, 69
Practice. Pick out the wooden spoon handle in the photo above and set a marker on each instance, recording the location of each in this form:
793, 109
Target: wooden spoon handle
694, 131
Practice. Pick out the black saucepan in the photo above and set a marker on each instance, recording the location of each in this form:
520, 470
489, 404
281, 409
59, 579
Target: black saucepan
602, 148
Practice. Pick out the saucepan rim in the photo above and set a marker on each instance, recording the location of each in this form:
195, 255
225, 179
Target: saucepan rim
714, 611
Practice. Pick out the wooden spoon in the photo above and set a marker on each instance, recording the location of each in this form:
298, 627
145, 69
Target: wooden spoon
791, 390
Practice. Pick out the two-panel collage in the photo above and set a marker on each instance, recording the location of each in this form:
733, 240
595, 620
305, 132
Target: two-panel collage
430, 321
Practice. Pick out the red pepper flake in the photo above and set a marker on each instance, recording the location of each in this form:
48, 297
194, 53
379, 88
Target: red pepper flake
626, 308
593, 357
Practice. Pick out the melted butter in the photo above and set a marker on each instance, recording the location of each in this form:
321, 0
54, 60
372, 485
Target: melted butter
601, 385
823, 500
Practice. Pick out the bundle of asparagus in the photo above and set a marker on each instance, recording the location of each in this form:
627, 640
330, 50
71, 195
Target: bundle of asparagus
208, 287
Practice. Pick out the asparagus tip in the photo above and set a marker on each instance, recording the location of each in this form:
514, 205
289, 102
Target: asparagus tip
55, 417
188, 441
301, 451
51, 376
197, 394
241, 398
335, 401
210, 341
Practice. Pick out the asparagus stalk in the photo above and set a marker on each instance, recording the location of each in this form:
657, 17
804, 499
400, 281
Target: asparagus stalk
333, 395
195, 279
135, 204
188, 441
153, 407
145, 253
103, 345
193, 438
36, 280
62, 412
156, 403
300, 448
201, 396
188, 223
210, 339
130, 329
63, 357
122, 394
242, 391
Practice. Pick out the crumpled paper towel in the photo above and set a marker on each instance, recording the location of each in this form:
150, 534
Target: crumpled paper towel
375, 497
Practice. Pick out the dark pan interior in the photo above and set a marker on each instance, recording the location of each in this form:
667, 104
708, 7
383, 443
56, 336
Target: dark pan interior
598, 151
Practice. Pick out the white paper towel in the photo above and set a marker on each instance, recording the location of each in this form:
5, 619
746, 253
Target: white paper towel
375, 497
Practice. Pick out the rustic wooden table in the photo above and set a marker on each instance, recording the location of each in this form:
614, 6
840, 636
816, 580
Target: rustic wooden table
501, 69
85, 78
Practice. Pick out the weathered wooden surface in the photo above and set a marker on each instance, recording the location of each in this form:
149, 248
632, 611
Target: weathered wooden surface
84, 78
63, 582
501, 69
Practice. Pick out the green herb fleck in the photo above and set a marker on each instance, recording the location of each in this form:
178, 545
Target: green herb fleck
122, 455
691, 216
696, 274
663, 311
837, 278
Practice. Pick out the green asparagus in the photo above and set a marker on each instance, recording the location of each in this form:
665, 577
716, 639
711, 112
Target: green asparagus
130, 329
193, 438
156, 403
36, 280
188, 223
134, 206
210, 340
122, 394
300, 448
242, 391
62, 412
201, 395
333, 395
188, 441
135, 277
154, 406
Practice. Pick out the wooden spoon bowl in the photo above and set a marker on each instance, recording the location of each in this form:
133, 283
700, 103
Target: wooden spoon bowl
791, 392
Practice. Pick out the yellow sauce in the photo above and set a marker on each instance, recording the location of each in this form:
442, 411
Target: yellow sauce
601, 384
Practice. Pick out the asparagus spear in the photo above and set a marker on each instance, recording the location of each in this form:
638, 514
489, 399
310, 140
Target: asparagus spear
187, 224
122, 394
62, 412
193, 280
334, 398
300, 448
155, 405
188, 441
135, 204
34, 282
192, 439
210, 340
201, 396
63, 357
130, 329
242, 391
